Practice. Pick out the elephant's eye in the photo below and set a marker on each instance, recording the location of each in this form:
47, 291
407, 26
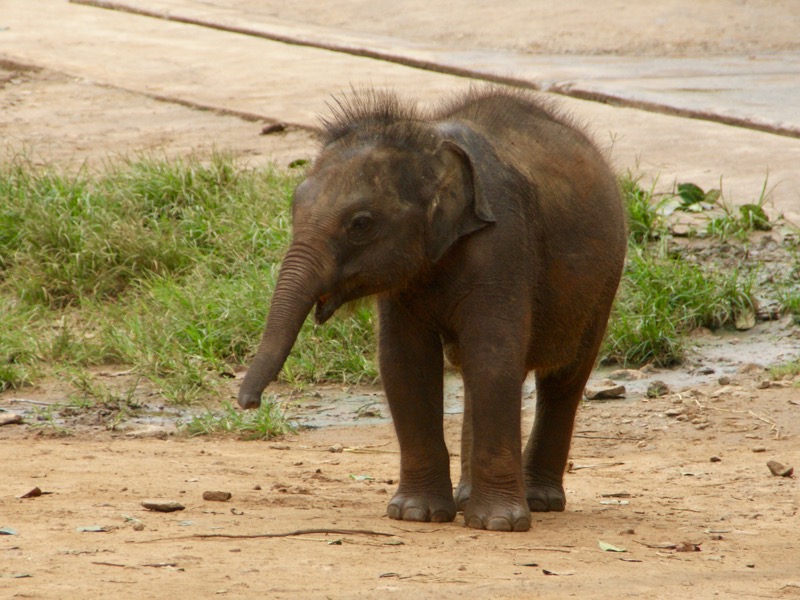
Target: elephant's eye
360, 224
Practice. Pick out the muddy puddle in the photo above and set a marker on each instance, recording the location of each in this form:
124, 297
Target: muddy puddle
712, 356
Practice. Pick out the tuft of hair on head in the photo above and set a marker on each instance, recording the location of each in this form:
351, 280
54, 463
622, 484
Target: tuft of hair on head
364, 111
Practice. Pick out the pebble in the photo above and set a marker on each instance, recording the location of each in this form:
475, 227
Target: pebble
148, 432
336, 448
759, 449
656, 389
215, 496
779, 470
10, 419
162, 505
138, 526
605, 392
724, 380
764, 384
627, 375
673, 412
715, 459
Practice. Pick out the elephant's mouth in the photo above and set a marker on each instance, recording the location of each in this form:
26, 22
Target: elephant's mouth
329, 303
326, 306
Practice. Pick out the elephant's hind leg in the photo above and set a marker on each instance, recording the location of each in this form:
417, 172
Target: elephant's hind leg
558, 395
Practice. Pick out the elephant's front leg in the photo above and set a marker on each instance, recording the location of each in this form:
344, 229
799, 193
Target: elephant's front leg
411, 366
494, 374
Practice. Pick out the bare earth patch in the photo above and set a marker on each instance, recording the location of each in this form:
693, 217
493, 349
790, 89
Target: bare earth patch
654, 477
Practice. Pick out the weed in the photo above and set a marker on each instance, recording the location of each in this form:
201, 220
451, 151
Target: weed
12, 376
786, 370
645, 222
739, 222
662, 298
262, 424
89, 391
45, 418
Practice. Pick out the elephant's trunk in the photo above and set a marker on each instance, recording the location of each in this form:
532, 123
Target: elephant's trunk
298, 287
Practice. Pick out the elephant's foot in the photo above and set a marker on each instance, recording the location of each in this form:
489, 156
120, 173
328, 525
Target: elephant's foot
462, 494
544, 494
436, 508
497, 514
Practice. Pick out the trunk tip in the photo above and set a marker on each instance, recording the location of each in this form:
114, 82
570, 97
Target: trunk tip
248, 399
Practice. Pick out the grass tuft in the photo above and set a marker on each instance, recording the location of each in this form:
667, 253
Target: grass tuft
264, 423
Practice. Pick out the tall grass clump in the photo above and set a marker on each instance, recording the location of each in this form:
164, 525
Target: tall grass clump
165, 265
663, 296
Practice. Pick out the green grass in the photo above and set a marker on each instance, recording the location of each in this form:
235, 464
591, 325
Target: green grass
787, 370
665, 294
662, 298
167, 267
261, 424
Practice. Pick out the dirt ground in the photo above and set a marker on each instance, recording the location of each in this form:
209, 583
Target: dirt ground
642, 478
647, 476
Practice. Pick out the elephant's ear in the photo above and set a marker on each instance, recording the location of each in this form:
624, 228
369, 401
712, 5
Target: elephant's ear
459, 206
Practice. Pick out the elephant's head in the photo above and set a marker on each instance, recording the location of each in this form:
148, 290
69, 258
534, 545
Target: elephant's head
380, 205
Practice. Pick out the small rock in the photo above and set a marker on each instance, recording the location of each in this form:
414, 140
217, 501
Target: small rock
715, 459
657, 389
217, 496
673, 412
724, 380
162, 505
273, 128
10, 419
745, 320
779, 470
148, 431
687, 547
705, 371
256, 487
138, 526
699, 332
764, 384
605, 392
627, 375
34, 493
336, 448
280, 446
759, 449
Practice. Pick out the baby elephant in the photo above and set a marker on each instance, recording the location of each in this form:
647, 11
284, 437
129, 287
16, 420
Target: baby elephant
491, 227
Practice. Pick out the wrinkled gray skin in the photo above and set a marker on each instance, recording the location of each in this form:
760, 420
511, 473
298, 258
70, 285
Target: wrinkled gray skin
491, 228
